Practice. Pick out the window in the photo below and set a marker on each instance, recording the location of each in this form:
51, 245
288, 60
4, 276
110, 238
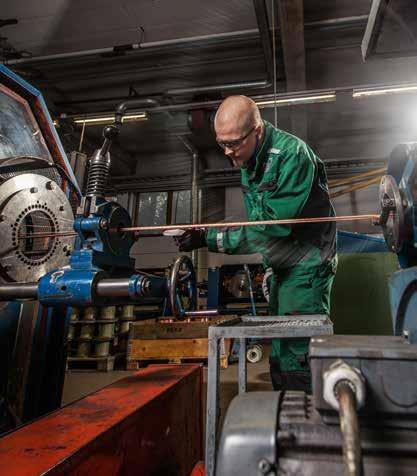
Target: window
181, 207
19, 131
152, 209
164, 208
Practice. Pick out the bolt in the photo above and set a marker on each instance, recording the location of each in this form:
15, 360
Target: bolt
34, 190
50, 185
104, 224
264, 466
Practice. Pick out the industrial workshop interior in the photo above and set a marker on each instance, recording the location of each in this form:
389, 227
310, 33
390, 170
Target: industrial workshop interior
208, 237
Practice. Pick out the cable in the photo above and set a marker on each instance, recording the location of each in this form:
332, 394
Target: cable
274, 59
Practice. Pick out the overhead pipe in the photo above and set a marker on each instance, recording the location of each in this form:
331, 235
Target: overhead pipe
133, 47
263, 27
345, 22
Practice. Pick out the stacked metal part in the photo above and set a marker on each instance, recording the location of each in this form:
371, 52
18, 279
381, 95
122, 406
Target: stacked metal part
126, 316
92, 332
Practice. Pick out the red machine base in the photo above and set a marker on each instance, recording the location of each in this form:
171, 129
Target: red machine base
147, 424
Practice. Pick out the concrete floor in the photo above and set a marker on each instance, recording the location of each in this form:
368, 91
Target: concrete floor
79, 383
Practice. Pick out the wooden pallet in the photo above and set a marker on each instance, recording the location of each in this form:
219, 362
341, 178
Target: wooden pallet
179, 341
101, 364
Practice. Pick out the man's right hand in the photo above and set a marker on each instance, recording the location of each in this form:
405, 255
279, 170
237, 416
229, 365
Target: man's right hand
191, 240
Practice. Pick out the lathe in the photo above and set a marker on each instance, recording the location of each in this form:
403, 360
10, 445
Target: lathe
59, 252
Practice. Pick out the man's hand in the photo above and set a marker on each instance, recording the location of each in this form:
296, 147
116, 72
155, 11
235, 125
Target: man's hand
191, 240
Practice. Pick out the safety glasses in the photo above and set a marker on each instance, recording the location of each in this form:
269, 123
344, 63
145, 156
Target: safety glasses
234, 144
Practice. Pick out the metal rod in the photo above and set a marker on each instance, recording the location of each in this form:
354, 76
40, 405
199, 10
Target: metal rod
289, 221
355, 187
348, 181
113, 287
12, 291
252, 299
242, 370
349, 426
206, 313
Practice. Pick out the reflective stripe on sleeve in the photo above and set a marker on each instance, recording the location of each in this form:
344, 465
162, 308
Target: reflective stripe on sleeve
219, 241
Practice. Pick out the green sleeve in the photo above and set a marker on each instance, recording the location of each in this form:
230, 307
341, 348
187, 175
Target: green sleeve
294, 178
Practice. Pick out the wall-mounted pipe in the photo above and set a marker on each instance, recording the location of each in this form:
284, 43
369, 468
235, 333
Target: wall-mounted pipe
194, 189
349, 426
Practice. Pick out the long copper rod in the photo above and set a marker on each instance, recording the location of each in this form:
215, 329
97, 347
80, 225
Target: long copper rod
287, 221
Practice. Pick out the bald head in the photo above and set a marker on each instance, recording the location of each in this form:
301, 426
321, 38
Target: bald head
237, 114
239, 129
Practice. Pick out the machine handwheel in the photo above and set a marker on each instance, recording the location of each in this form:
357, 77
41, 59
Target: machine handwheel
392, 213
182, 287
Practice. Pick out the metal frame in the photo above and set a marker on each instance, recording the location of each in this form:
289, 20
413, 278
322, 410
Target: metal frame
372, 28
379, 10
242, 328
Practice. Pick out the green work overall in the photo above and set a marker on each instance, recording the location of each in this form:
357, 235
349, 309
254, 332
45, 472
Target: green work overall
287, 180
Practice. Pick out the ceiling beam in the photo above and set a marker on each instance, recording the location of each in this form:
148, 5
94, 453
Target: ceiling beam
291, 17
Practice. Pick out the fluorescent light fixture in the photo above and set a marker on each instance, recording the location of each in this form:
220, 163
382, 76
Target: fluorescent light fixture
360, 93
288, 101
92, 121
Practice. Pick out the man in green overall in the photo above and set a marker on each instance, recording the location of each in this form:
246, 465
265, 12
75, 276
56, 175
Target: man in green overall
281, 177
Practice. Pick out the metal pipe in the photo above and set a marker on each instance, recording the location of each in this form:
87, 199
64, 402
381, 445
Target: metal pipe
13, 291
331, 23
349, 426
133, 46
193, 39
194, 188
219, 87
130, 103
113, 287
210, 312
213, 104
194, 200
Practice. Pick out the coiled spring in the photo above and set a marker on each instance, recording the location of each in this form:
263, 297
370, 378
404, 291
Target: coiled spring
98, 176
